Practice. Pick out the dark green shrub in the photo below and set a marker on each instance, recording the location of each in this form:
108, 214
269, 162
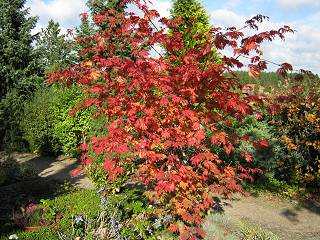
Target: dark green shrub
11, 171
47, 125
11, 107
256, 130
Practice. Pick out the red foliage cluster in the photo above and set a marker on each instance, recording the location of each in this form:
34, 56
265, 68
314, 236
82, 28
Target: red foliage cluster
170, 112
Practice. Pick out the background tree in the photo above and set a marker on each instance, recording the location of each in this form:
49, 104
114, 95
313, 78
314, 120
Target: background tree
16, 52
195, 21
87, 28
19, 71
53, 48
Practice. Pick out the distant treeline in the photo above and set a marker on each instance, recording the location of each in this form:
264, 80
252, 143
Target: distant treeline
274, 80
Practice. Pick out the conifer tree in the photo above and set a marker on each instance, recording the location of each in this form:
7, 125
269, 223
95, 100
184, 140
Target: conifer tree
16, 51
195, 21
19, 71
53, 48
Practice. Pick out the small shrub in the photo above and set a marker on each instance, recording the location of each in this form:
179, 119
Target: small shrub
32, 215
257, 130
129, 215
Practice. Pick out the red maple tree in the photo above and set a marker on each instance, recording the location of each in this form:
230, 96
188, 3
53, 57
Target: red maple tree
168, 116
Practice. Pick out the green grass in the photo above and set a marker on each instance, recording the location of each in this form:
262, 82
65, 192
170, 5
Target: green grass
84, 203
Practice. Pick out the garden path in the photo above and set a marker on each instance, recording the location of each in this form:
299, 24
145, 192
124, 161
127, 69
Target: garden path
290, 220
54, 168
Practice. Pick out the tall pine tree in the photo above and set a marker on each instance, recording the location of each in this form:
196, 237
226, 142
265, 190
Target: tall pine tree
16, 51
89, 29
19, 71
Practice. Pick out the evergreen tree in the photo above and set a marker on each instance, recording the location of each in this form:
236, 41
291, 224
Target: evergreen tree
16, 51
19, 71
195, 21
52, 47
85, 30
98, 6
88, 29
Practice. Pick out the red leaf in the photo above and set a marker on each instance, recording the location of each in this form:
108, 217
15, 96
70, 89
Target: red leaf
174, 228
263, 143
76, 172
122, 149
247, 156
218, 138
228, 148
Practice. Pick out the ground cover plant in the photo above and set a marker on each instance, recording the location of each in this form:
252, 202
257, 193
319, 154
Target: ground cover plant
70, 215
165, 119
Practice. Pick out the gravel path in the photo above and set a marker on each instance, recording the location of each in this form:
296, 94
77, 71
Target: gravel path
54, 168
290, 220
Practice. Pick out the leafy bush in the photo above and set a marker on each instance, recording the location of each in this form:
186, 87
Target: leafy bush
47, 125
11, 108
297, 124
129, 215
84, 204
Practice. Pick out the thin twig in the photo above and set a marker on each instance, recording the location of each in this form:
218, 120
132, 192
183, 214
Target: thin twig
262, 59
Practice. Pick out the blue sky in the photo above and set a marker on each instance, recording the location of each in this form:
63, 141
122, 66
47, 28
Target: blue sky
301, 49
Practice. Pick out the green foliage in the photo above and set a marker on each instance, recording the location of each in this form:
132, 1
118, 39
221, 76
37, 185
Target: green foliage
11, 107
11, 171
85, 203
47, 125
268, 184
273, 82
98, 6
129, 215
257, 130
16, 52
52, 48
19, 70
196, 21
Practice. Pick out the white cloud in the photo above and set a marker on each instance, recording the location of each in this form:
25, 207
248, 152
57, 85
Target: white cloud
300, 49
66, 12
296, 4
162, 6
226, 18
